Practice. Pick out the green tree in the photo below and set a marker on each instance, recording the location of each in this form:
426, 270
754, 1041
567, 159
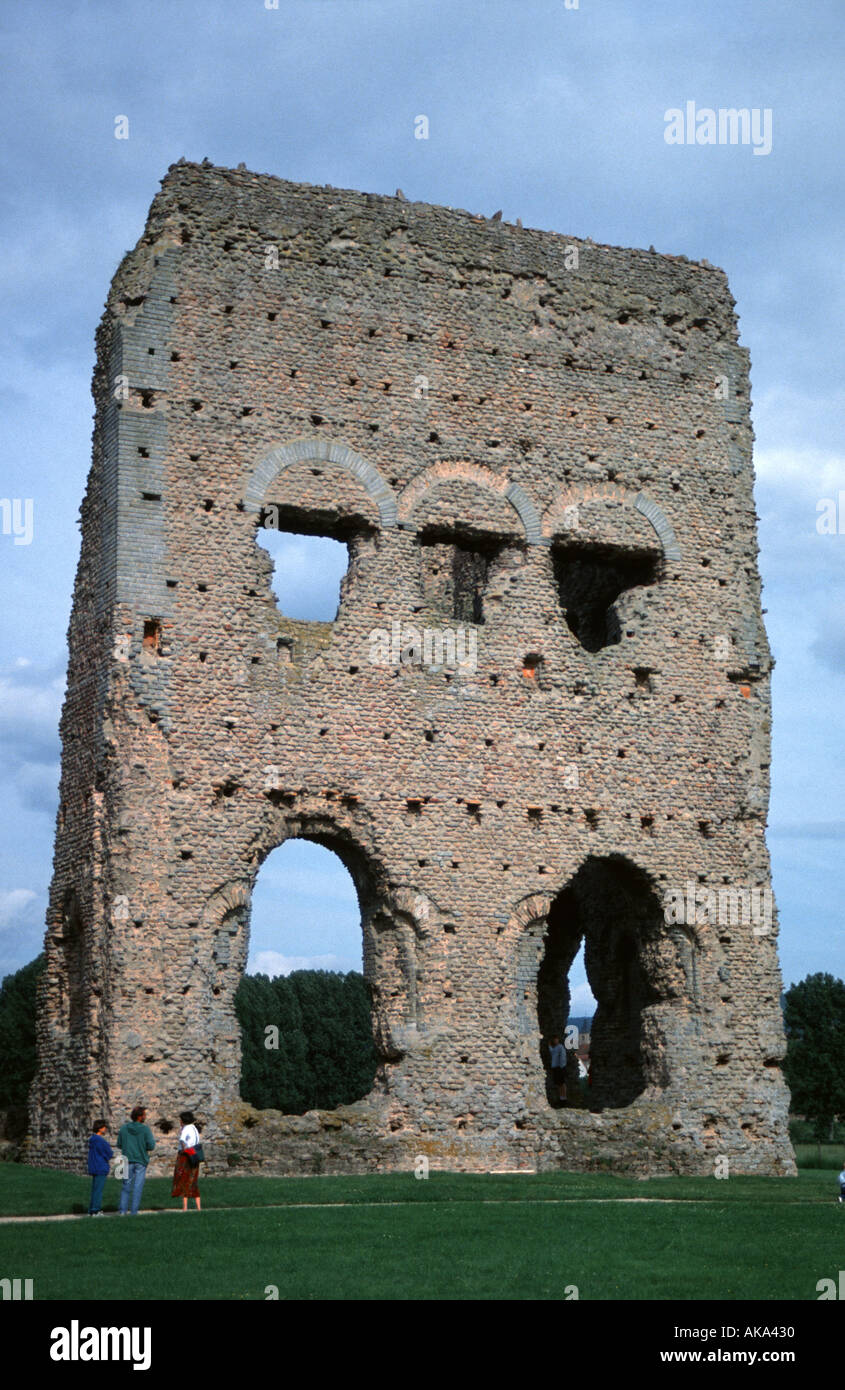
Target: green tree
17, 1034
273, 1067
325, 1055
814, 1018
252, 1007
292, 1083
342, 1059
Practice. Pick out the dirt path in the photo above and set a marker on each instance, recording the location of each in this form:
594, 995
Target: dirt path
436, 1202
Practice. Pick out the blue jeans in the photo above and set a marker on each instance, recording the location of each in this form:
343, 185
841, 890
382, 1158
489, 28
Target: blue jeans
98, 1182
133, 1184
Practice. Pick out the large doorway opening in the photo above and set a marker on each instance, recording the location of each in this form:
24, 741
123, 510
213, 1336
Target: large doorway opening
303, 1006
610, 907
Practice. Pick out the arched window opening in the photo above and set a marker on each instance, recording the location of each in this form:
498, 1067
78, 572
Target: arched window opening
304, 1006
611, 908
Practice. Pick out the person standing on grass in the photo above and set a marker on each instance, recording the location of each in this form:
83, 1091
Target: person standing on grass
99, 1154
186, 1172
136, 1143
842, 1183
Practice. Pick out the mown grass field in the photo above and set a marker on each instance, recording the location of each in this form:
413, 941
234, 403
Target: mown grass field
452, 1236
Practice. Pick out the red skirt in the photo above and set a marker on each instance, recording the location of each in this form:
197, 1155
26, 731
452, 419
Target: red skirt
185, 1178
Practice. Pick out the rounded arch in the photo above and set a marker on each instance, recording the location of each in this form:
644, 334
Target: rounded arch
636, 966
561, 515
660, 522
529, 909
224, 936
338, 820
400, 924
323, 451
231, 897
482, 477
633, 966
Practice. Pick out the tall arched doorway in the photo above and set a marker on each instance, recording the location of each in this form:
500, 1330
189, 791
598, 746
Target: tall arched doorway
304, 1006
611, 906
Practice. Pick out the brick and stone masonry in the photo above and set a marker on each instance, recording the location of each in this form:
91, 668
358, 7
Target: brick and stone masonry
540, 441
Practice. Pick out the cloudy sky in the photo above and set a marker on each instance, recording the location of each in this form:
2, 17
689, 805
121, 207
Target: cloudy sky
552, 112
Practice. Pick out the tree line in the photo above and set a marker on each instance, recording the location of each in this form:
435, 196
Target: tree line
307, 1040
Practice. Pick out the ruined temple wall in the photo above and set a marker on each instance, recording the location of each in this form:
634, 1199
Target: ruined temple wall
69, 1032
455, 366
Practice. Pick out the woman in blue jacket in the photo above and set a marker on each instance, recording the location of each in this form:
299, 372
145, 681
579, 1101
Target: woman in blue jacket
99, 1153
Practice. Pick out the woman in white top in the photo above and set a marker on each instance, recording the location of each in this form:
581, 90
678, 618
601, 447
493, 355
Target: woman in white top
185, 1174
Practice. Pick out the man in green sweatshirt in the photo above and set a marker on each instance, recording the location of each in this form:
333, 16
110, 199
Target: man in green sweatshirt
136, 1143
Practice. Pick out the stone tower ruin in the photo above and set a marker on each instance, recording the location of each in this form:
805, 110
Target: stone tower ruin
541, 715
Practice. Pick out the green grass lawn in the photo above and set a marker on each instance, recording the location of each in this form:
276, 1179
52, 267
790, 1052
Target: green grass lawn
451, 1236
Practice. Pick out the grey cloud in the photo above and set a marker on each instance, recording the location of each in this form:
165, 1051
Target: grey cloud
30, 705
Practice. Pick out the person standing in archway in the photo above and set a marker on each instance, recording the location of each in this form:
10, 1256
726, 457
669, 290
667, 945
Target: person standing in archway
557, 1059
187, 1168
